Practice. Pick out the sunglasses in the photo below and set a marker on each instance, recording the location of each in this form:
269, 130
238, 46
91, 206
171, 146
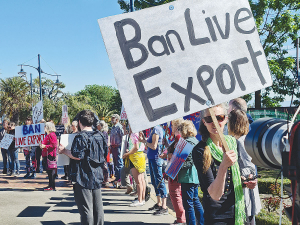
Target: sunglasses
220, 118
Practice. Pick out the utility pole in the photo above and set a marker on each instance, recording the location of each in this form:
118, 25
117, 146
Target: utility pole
297, 59
131, 5
39, 70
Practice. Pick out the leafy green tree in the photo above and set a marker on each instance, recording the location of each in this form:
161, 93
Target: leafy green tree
14, 97
102, 95
278, 24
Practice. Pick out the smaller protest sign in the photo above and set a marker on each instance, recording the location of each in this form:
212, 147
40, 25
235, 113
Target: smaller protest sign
37, 112
29, 135
60, 129
64, 118
66, 140
182, 150
123, 113
6, 141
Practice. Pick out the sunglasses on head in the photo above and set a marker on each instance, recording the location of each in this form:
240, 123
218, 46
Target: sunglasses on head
220, 118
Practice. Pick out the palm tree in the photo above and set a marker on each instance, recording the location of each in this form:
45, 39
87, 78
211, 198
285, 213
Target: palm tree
103, 112
14, 97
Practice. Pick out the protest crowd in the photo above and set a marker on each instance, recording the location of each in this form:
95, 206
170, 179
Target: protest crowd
187, 159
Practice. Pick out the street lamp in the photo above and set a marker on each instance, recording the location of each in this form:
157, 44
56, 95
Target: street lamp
40, 71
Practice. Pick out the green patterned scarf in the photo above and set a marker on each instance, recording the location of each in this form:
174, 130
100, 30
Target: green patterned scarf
217, 154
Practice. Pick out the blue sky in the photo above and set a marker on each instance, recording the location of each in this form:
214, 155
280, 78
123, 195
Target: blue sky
66, 35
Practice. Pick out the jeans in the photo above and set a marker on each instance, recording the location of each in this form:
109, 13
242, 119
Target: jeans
6, 158
90, 205
193, 208
30, 159
176, 199
155, 167
118, 161
14, 164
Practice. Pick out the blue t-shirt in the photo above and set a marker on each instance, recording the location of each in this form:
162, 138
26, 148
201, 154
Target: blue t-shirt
152, 154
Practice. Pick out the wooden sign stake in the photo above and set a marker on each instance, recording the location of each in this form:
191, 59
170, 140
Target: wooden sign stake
220, 132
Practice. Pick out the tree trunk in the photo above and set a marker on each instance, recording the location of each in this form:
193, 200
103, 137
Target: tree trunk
258, 99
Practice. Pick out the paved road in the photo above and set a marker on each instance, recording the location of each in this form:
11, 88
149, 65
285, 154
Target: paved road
23, 201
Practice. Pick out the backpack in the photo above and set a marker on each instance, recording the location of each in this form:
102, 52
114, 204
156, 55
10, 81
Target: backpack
94, 159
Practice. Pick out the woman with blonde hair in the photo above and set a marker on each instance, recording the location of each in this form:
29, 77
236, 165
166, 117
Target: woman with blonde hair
49, 146
219, 172
137, 164
188, 178
238, 127
173, 185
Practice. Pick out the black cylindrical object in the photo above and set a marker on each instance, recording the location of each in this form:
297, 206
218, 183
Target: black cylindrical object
264, 142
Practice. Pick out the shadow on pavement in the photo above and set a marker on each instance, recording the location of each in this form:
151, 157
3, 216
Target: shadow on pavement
34, 211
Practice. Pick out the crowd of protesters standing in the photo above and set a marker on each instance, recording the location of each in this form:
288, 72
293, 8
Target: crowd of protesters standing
97, 158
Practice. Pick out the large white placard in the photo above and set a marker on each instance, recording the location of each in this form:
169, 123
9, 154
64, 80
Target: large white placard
182, 57
66, 140
29, 135
37, 112
6, 141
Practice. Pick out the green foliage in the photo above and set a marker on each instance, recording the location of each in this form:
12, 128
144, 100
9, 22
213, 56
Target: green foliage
102, 95
266, 184
270, 218
13, 97
278, 23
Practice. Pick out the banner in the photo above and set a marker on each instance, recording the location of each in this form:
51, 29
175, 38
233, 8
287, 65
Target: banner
190, 56
29, 135
123, 113
6, 141
182, 150
64, 117
37, 112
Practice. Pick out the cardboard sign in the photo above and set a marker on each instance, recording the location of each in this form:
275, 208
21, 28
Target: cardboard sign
182, 57
64, 117
181, 152
29, 135
66, 140
6, 141
37, 112
123, 115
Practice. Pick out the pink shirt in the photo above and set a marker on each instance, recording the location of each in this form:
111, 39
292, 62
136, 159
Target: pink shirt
135, 140
51, 145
